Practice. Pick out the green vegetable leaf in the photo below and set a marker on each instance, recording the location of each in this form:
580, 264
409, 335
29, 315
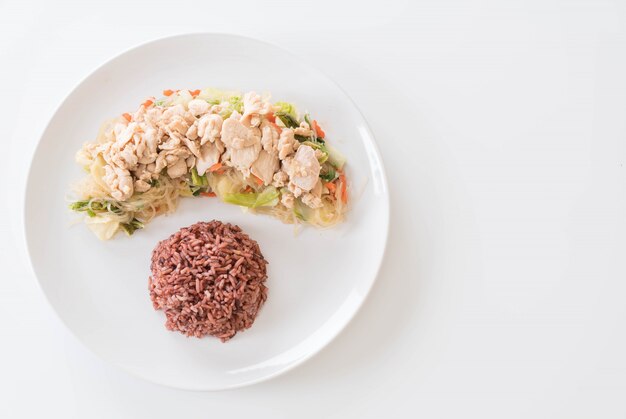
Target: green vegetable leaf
335, 157
267, 198
130, 228
329, 174
301, 138
287, 119
79, 205
287, 108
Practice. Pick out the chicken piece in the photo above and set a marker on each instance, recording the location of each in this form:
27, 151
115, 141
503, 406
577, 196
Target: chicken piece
177, 124
287, 144
253, 106
123, 134
160, 162
303, 169
198, 107
191, 161
265, 166
192, 132
149, 141
209, 155
172, 111
129, 156
192, 146
280, 179
304, 129
243, 144
172, 143
242, 158
119, 181
313, 199
209, 128
269, 137
141, 186
178, 169
236, 135
288, 200
153, 115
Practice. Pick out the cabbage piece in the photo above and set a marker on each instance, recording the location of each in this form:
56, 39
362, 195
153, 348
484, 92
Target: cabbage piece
103, 227
335, 157
267, 198
286, 108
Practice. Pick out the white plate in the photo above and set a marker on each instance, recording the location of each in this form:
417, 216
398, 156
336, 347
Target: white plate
317, 279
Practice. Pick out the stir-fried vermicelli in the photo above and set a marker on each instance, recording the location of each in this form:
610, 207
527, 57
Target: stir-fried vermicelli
242, 149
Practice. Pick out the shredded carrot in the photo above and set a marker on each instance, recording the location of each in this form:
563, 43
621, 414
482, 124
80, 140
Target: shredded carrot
217, 166
248, 189
271, 117
344, 192
318, 130
147, 103
168, 92
127, 116
208, 194
194, 93
258, 180
331, 187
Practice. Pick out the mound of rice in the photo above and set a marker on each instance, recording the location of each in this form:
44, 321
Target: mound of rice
209, 279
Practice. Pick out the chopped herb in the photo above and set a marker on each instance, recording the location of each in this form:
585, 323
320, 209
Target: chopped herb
130, 228
301, 138
287, 119
328, 173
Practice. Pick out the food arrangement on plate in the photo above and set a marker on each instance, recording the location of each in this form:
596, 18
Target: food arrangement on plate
209, 278
241, 149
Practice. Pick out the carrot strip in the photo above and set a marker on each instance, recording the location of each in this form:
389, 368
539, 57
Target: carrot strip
147, 103
318, 130
257, 179
217, 166
168, 92
331, 187
127, 116
208, 194
270, 117
194, 93
344, 192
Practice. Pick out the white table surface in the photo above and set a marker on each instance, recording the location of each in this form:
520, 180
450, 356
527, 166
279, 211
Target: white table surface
502, 127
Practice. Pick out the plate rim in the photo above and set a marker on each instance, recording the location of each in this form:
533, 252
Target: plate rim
287, 367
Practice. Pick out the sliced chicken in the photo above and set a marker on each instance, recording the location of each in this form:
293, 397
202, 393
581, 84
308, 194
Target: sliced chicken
269, 137
119, 182
265, 166
209, 155
287, 144
178, 169
209, 128
304, 168
253, 107
198, 107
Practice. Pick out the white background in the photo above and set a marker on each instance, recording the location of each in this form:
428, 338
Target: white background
502, 126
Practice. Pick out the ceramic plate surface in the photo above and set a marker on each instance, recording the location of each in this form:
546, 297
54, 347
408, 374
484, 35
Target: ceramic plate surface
317, 279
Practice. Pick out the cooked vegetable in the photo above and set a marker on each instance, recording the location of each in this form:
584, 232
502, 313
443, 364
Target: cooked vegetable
318, 130
288, 120
267, 198
287, 109
335, 157
139, 170
344, 192
129, 228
